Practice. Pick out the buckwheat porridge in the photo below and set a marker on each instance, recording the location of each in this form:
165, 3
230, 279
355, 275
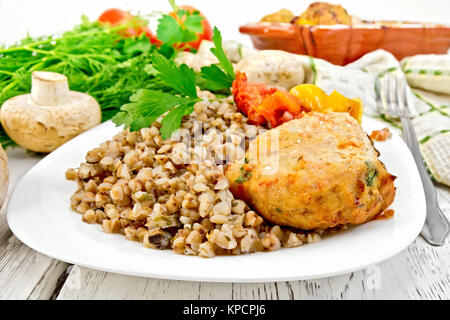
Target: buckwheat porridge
173, 194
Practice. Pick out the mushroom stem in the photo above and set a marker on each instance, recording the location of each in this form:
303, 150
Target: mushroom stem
49, 88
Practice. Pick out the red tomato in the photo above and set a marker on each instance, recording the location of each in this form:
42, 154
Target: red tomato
152, 37
207, 30
116, 17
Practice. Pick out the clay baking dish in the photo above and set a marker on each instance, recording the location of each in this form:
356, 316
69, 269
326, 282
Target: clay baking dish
342, 44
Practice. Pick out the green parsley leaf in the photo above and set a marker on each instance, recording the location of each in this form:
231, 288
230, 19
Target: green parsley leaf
169, 31
148, 105
181, 78
122, 117
221, 76
193, 22
220, 53
172, 121
180, 29
215, 79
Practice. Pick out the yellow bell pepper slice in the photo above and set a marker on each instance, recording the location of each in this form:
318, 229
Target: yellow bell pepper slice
312, 98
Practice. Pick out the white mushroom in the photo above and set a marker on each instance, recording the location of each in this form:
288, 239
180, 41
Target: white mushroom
273, 68
50, 115
4, 176
204, 57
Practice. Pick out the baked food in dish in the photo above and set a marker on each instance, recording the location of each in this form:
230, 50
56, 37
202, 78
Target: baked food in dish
325, 14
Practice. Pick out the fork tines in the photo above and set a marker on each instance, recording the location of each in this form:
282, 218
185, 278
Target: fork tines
392, 93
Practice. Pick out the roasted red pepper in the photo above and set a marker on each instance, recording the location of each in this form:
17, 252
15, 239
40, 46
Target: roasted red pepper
248, 96
279, 107
263, 104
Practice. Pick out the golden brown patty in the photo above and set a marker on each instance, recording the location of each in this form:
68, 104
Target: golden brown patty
325, 173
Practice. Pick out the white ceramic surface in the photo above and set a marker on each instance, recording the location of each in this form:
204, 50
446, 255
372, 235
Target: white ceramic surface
39, 215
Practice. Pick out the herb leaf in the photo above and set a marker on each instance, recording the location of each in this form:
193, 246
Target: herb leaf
172, 121
181, 78
168, 30
193, 22
215, 79
371, 174
221, 76
146, 106
220, 53
182, 28
244, 175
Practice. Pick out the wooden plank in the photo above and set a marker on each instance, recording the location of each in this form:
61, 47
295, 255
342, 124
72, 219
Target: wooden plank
419, 272
19, 162
24, 273
5, 233
84, 283
45, 288
23, 269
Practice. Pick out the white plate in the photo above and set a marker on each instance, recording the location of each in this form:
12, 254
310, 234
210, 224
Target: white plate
39, 215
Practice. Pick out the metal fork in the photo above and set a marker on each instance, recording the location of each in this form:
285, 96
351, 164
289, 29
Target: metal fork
393, 95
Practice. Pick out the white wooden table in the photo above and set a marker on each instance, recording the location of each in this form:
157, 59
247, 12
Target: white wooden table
419, 272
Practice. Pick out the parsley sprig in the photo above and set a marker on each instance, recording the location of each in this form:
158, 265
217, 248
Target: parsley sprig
147, 105
181, 79
218, 76
179, 28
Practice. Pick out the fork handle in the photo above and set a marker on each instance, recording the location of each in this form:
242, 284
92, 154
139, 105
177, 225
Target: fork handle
436, 227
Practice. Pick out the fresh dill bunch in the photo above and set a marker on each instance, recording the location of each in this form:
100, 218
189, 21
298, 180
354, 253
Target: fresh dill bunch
97, 59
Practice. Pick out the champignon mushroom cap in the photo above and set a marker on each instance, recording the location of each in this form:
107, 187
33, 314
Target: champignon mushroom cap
50, 115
